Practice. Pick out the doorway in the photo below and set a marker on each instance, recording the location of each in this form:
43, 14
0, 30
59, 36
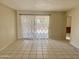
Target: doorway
34, 26
68, 28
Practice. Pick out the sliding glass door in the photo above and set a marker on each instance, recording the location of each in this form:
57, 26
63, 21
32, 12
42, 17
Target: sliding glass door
41, 26
34, 26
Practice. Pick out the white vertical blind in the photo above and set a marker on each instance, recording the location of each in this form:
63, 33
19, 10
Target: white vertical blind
27, 26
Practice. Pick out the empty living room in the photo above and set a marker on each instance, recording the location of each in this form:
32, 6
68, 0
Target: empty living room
39, 29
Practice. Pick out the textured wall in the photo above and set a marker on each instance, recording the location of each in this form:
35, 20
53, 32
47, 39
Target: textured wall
74, 13
7, 26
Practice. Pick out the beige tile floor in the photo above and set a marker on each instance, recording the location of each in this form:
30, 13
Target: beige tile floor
40, 49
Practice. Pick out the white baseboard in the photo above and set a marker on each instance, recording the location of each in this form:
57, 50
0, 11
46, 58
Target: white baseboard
74, 45
6, 45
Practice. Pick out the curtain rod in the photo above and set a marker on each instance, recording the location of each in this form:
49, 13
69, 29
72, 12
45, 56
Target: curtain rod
34, 14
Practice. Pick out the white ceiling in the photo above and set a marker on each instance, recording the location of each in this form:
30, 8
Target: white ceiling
41, 5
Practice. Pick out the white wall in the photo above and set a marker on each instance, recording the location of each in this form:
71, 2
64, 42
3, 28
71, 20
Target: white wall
7, 26
68, 23
74, 13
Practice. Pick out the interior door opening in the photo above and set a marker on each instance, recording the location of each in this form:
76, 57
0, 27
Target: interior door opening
68, 28
34, 26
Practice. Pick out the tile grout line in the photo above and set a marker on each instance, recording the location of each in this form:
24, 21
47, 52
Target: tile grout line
30, 50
